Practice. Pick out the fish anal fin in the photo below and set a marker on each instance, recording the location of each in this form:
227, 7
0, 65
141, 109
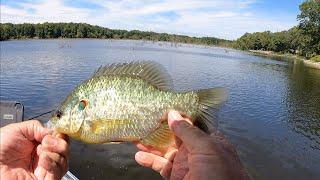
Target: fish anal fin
151, 72
160, 139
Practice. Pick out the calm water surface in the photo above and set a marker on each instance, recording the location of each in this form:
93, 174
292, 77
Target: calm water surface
272, 115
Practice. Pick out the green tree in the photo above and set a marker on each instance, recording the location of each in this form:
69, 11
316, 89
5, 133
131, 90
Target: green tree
7, 31
39, 31
310, 27
82, 30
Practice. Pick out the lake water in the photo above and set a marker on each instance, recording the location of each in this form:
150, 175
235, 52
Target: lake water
272, 115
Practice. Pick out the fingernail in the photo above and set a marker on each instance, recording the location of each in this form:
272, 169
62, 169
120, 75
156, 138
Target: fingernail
141, 157
175, 115
50, 141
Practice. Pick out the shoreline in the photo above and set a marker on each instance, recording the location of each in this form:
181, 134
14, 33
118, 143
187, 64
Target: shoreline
271, 54
124, 39
153, 41
311, 64
268, 54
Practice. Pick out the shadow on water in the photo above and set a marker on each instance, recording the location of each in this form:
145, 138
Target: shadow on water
275, 128
303, 101
302, 97
110, 161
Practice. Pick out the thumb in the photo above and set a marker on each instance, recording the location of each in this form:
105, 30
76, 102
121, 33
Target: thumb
33, 130
190, 135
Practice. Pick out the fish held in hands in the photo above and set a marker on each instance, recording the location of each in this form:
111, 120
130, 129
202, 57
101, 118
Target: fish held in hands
128, 102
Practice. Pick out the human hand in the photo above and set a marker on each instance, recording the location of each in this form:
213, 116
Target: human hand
196, 154
29, 151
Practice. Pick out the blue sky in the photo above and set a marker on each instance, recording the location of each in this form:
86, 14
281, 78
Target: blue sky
219, 18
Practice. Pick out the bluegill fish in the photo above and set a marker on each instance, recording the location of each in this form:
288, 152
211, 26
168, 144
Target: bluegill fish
127, 102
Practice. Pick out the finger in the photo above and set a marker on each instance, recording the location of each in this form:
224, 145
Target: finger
186, 116
157, 163
171, 154
60, 161
56, 145
61, 136
39, 149
33, 130
190, 135
177, 141
53, 162
152, 150
176, 116
179, 115
148, 149
40, 172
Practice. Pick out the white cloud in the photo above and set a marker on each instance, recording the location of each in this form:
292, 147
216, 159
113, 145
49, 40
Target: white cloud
220, 18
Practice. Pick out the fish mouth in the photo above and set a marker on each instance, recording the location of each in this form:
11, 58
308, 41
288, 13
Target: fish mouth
48, 124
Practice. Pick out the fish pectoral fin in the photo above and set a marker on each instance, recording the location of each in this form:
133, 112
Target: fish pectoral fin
160, 139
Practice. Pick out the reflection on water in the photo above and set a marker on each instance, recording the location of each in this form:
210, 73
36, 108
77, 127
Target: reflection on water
272, 115
304, 102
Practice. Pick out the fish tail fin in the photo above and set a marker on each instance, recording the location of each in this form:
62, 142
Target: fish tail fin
160, 139
208, 99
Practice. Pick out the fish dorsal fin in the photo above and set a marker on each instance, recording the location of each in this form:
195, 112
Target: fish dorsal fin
152, 72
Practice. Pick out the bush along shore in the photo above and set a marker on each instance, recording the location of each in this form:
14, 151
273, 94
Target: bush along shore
82, 30
312, 63
300, 42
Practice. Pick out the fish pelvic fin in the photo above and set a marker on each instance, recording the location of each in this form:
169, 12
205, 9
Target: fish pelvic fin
160, 139
209, 99
149, 71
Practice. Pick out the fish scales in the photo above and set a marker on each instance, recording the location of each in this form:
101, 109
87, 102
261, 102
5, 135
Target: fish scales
124, 98
119, 104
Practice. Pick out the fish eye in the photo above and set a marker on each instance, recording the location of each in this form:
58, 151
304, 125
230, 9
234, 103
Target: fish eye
82, 104
58, 113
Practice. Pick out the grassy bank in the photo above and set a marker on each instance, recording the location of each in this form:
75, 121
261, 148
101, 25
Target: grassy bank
313, 62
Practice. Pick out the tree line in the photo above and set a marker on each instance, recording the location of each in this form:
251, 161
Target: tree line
83, 30
303, 39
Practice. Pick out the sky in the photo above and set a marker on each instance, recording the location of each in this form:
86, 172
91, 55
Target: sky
228, 19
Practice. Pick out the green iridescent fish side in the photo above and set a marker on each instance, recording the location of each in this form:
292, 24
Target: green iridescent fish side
118, 104
118, 99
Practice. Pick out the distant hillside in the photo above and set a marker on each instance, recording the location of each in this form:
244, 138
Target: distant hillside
82, 30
